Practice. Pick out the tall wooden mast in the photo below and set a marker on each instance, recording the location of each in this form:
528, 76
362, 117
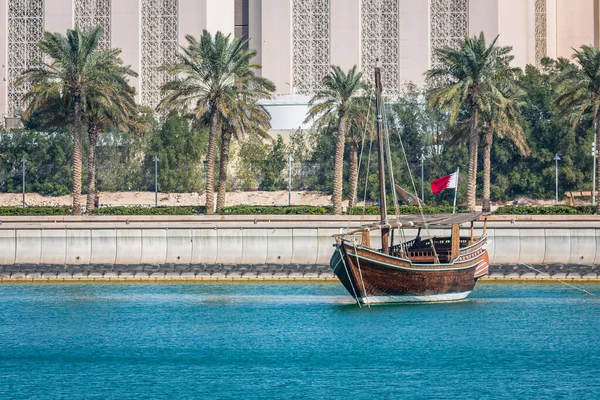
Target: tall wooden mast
385, 232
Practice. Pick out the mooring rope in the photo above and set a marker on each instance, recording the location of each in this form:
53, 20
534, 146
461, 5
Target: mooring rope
437, 259
362, 148
360, 273
561, 281
348, 273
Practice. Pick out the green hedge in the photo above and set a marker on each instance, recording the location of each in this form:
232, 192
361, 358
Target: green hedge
408, 210
553, 210
328, 210
233, 210
174, 210
276, 210
34, 211
293, 210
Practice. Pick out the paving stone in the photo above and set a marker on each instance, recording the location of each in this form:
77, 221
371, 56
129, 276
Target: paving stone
158, 275
141, 275
173, 275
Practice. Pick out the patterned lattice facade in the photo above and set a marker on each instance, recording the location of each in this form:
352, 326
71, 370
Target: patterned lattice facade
90, 13
541, 31
379, 19
159, 46
449, 24
25, 29
310, 44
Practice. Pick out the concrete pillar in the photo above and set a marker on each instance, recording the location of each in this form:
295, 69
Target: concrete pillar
191, 19
551, 26
414, 41
345, 33
3, 68
516, 30
58, 16
126, 18
255, 29
574, 25
220, 16
276, 37
483, 17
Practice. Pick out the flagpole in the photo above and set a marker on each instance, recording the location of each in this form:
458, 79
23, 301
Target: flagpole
455, 190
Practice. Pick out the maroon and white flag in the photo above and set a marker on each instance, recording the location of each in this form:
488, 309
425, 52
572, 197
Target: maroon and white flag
445, 182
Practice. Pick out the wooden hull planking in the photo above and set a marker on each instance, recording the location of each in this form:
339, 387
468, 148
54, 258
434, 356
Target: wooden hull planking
372, 277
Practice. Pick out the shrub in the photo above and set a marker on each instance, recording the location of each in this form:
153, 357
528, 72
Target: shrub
553, 210
34, 211
177, 210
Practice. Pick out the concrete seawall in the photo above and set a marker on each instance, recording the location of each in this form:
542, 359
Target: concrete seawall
267, 247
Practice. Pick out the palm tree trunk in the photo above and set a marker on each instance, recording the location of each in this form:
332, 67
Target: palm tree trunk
353, 174
223, 163
338, 167
472, 176
93, 133
215, 130
487, 155
77, 150
597, 159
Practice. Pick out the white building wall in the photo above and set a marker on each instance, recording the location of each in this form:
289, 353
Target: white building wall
3, 69
125, 19
570, 23
414, 40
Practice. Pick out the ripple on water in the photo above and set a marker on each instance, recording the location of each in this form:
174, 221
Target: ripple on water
294, 340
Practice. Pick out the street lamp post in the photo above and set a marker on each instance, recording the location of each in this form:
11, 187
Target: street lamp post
290, 179
556, 160
594, 154
155, 181
23, 161
422, 177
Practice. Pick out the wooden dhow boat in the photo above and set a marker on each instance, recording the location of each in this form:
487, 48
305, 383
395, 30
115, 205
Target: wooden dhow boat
433, 269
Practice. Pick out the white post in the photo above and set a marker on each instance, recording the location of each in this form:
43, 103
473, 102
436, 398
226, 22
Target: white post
595, 154
289, 179
422, 178
455, 190
556, 160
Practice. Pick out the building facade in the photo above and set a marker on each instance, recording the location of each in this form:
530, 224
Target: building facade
296, 40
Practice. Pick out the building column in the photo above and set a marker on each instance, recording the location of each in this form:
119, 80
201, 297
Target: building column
255, 30
58, 16
125, 19
3, 69
345, 33
414, 41
276, 37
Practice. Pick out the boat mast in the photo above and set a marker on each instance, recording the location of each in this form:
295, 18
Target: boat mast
385, 232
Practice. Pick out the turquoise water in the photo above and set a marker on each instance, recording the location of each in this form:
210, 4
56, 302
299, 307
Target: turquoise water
294, 341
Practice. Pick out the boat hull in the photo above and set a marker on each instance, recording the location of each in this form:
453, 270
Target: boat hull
372, 277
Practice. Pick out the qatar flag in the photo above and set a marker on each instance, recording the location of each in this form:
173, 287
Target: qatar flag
445, 182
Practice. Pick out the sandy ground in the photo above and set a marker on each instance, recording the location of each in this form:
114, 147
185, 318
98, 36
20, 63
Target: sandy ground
233, 198
171, 199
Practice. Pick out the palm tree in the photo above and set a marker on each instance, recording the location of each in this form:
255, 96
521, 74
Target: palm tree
122, 113
578, 93
502, 120
245, 117
76, 70
336, 104
205, 77
467, 78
